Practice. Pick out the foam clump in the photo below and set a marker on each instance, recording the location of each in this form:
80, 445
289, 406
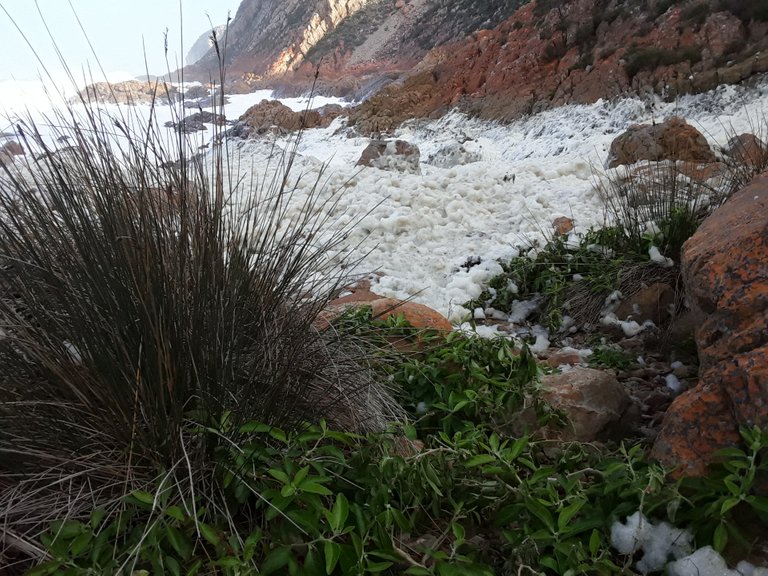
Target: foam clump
706, 562
658, 542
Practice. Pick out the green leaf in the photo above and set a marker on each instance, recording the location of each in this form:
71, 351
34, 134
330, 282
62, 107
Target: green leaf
720, 538
279, 475
517, 448
176, 513
314, 488
339, 513
276, 560
458, 532
734, 488
97, 516
67, 530
594, 543
479, 460
567, 513
331, 551
179, 542
287, 491
209, 533
300, 475
759, 503
376, 567
144, 497
172, 565
541, 512
729, 503
81, 543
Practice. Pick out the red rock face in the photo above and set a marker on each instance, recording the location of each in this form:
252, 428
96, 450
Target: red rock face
532, 62
725, 269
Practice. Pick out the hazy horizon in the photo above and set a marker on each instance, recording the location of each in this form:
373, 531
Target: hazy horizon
121, 35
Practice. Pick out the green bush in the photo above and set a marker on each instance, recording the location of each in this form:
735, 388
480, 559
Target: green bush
147, 296
458, 494
650, 58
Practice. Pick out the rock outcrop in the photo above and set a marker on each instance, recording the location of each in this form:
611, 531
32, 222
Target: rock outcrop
725, 270
272, 113
673, 139
552, 53
268, 38
593, 402
128, 92
397, 155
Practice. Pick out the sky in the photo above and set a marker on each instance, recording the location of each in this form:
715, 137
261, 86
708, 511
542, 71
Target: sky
120, 32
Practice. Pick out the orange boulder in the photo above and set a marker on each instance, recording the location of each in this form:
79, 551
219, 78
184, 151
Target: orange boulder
725, 270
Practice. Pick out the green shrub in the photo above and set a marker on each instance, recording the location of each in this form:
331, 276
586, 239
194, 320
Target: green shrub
696, 14
745, 11
458, 495
147, 296
650, 58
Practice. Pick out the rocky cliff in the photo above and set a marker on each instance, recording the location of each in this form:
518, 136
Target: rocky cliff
268, 38
355, 43
551, 53
494, 58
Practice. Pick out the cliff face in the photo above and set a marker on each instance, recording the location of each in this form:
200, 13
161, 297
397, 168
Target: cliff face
552, 52
281, 43
267, 38
494, 58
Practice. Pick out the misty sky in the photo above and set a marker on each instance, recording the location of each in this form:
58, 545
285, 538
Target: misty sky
115, 29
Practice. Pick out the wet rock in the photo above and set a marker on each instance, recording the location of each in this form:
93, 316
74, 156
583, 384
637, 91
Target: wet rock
196, 92
271, 113
452, 155
593, 401
725, 271
397, 155
652, 303
196, 122
417, 315
562, 225
747, 149
128, 92
673, 139
9, 150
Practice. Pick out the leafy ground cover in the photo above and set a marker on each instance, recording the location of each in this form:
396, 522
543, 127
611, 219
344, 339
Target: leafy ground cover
450, 491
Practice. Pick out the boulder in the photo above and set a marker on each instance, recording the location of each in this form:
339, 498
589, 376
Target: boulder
9, 150
592, 400
725, 272
128, 92
417, 315
397, 155
562, 225
197, 121
673, 139
452, 155
649, 303
271, 113
747, 149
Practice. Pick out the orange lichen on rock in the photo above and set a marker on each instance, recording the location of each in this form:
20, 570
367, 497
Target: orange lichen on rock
725, 270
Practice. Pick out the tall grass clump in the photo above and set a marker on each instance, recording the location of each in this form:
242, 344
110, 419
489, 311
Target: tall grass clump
661, 204
151, 304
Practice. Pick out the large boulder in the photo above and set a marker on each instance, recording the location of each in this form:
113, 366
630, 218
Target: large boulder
269, 114
397, 155
747, 149
673, 139
725, 271
197, 121
593, 402
9, 150
128, 92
